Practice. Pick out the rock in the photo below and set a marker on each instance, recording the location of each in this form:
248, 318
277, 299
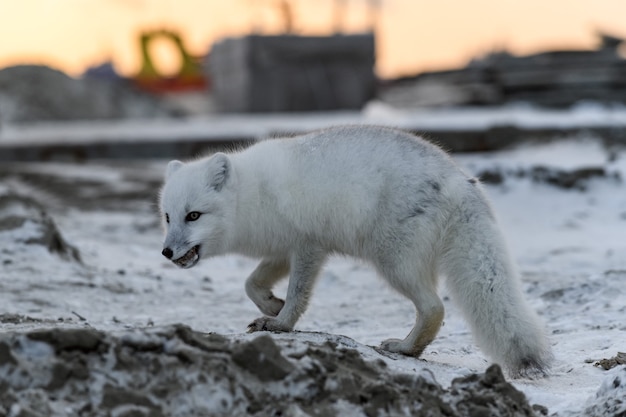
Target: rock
262, 358
209, 342
176, 371
85, 340
5, 354
610, 400
113, 396
606, 364
24, 221
30, 92
489, 394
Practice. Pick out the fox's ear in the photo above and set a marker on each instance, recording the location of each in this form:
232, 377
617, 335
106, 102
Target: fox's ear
172, 167
219, 170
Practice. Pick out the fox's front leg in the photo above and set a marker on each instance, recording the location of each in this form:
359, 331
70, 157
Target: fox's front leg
305, 265
260, 283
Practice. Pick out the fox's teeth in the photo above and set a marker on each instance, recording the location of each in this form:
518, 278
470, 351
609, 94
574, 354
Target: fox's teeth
190, 257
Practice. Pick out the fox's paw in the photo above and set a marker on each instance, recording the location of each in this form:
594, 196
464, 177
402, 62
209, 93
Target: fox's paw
267, 324
400, 346
271, 306
392, 345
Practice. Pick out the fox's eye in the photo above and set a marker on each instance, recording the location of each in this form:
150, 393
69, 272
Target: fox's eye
167, 217
192, 216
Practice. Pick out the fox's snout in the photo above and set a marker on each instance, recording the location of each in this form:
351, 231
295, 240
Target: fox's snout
168, 253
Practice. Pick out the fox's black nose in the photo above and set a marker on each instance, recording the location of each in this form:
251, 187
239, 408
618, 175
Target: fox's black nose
167, 252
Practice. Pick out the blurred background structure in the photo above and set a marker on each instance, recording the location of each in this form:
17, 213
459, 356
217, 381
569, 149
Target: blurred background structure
71, 60
558, 78
293, 73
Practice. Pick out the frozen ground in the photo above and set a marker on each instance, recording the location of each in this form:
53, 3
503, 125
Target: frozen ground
238, 126
568, 239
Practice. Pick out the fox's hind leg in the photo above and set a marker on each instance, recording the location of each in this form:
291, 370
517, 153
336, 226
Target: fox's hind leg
260, 283
420, 286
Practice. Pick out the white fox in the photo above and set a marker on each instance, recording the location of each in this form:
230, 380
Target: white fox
374, 193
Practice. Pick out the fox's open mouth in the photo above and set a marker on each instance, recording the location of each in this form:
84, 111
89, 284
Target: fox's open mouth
189, 259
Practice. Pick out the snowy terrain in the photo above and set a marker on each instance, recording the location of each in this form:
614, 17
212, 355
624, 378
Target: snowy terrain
569, 244
238, 126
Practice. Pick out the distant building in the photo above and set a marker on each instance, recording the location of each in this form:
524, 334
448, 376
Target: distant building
293, 73
551, 79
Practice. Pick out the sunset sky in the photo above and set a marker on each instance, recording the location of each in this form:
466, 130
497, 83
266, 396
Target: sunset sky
412, 35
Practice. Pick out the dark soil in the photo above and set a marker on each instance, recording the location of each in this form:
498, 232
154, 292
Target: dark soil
174, 370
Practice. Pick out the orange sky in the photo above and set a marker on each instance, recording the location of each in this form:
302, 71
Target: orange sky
412, 35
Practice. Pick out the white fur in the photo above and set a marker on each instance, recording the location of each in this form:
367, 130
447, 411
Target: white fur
370, 192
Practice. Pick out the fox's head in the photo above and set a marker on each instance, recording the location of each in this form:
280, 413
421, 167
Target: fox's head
195, 201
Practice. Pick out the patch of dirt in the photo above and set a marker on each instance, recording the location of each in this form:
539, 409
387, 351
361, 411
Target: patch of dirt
577, 179
21, 319
176, 371
606, 364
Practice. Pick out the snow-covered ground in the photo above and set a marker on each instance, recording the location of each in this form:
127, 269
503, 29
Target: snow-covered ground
569, 243
238, 126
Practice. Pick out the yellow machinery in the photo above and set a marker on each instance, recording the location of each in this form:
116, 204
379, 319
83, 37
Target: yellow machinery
189, 77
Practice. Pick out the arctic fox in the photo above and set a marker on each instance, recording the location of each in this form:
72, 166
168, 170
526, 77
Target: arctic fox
374, 193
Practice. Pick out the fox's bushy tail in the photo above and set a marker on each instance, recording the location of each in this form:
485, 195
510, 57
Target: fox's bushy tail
485, 285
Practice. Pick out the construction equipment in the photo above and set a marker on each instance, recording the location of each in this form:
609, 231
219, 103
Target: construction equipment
190, 76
